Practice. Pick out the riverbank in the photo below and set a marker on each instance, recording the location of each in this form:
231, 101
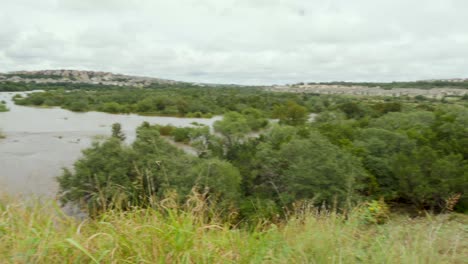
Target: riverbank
40, 233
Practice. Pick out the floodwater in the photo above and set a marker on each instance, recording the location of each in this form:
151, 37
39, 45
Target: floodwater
41, 141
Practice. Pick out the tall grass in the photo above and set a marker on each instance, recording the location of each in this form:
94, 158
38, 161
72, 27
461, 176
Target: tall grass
39, 232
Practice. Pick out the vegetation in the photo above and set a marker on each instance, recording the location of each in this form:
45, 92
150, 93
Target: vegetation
186, 100
33, 76
412, 154
39, 232
417, 84
194, 101
268, 185
8, 86
410, 151
3, 107
28, 86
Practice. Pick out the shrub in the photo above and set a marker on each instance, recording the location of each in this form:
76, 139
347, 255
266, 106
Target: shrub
166, 130
374, 212
181, 134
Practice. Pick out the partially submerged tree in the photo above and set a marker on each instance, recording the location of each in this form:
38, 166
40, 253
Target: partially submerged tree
117, 132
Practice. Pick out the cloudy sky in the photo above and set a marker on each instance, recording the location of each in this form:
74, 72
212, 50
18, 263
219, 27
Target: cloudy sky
240, 41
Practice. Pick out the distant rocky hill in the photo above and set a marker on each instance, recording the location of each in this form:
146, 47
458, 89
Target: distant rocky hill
428, 88
74, 76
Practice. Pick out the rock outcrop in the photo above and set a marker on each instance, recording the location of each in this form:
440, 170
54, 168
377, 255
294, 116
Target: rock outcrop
74, 76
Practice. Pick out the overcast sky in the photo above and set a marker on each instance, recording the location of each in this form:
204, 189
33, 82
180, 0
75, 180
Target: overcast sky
240, 41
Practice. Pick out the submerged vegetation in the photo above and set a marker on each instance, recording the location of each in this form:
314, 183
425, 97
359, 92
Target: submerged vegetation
3, 107
170, 101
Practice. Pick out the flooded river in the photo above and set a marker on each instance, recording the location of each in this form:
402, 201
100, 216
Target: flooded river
41, 141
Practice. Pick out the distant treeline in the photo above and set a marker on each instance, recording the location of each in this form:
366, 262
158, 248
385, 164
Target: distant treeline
24, 86
191, 101
9, 86
34, 76
391, 85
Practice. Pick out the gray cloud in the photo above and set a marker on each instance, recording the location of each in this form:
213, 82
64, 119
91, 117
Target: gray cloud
240, 41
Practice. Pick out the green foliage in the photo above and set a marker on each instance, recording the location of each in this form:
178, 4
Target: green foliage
405, 121
426, 179
255, 119
112, 175
77, 106
405, 150
373, 212
219, 178
37, 231
290, 113
310, 168
339, 132
414, 159
111, 107
104, 172
166, 100
186, 135
353, 110
233, 126
166, 130
117, 131
383, 108
181, 134
3, 107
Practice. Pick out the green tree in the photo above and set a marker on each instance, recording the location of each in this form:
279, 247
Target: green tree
181, 134
290, 113
102, 176
233, 126
311, 168
111, 174
77, 106
426, 180
117, 131
220, 178
112, 107
255, 118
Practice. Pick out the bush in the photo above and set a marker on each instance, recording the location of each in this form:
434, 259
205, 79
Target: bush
374, 212
79, 106
181, 134
3, 108
166, 130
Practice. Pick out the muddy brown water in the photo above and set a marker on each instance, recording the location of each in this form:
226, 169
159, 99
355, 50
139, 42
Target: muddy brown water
41, 141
